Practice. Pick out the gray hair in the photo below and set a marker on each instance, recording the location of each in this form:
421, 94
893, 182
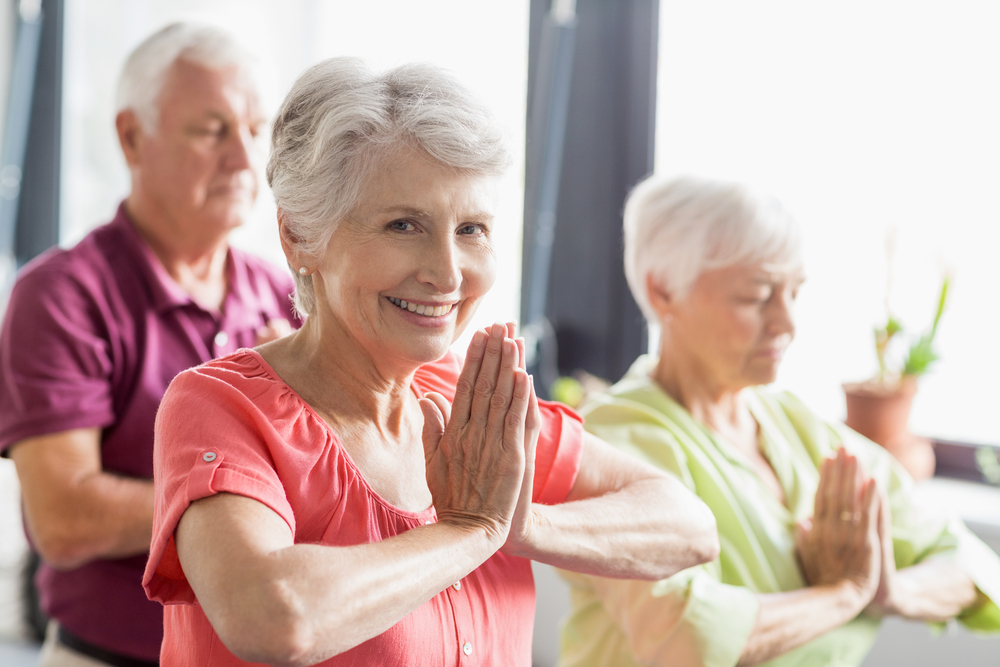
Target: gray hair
339, 122
676, 229
146, 68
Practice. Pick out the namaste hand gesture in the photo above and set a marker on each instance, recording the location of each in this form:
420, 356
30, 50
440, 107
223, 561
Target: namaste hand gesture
479, 452
842, 544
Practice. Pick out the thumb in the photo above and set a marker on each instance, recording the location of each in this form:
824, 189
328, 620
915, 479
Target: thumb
434, 423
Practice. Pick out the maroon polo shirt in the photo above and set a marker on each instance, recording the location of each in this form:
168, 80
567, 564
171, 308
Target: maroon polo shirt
92, 336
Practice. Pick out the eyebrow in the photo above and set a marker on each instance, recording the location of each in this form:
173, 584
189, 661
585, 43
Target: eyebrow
420, 214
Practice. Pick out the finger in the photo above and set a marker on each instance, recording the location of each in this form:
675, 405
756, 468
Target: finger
869, 507
511, 329
433, 429
522, 357
850, 485
486, 382
466, 386
500, 402
442, 404
820, 506
533, 418
514, 420
831, 487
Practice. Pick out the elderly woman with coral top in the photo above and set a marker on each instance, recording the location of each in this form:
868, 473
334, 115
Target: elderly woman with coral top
819, 534
355, 493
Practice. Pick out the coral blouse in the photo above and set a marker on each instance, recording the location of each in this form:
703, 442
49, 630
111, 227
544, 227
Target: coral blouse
233, 426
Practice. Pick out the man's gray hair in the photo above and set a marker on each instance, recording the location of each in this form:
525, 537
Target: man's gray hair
341, 120
146, 68
676, 229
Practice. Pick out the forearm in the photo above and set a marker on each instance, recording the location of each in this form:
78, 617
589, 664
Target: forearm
76, 511
649, 529
386, 581
934, 590
789, 620
106, 517
275, 602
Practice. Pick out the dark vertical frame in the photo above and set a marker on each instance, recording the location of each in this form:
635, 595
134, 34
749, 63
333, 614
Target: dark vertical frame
38, 210
609, 146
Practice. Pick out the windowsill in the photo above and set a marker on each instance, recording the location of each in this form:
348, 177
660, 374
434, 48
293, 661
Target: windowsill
978, 504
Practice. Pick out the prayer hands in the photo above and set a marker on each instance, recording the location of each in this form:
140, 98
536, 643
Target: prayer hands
842, 544
479, 452
884, 602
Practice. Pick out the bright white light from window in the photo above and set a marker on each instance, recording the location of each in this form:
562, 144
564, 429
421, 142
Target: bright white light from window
862, 117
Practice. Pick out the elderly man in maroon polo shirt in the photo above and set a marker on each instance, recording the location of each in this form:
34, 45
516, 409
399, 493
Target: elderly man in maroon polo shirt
93, 335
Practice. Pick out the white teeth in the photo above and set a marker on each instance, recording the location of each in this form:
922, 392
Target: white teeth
426, 311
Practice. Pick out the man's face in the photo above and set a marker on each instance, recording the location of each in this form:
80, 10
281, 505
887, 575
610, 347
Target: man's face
196, 175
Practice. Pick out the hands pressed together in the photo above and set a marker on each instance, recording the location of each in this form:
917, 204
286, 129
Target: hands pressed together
480, 451
849, 538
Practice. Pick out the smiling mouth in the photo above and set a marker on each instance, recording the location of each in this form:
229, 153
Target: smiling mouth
420, 309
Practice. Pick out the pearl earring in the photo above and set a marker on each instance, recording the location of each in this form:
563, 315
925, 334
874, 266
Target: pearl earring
303, 270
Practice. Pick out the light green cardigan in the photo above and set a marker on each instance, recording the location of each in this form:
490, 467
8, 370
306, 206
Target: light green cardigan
704, 615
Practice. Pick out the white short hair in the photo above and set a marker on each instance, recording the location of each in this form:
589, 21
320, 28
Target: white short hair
675, 229
339, 122
146, 68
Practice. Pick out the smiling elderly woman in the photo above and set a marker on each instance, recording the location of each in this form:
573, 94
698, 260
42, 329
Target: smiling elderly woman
353, 493
719, 268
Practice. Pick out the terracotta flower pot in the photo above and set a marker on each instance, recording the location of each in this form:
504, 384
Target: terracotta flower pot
881, 413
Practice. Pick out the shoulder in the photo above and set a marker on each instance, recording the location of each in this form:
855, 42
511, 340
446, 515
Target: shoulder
240, 374
631, 417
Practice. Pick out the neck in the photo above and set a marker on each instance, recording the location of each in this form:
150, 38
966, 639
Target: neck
338, 377
716, 405
197, 265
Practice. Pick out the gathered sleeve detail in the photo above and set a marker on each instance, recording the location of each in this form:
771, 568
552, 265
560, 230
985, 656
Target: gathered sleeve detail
210, 439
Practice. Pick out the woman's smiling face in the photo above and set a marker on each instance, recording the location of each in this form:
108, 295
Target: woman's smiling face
404, 274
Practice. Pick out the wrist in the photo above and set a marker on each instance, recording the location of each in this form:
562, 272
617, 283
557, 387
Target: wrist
851, 597
490, 532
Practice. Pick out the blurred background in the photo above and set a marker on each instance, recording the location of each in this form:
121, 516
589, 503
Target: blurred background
875, 122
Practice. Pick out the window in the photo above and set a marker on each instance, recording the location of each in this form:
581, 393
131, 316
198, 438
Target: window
863, 118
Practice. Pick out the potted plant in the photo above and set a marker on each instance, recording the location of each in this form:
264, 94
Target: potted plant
879, 408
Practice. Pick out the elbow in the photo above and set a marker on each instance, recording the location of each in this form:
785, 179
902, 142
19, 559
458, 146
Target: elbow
61, 550
272, 628
698, 542
705, 544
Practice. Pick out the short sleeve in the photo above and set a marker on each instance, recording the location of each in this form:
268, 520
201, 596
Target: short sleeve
210, 438
674, 621
560, 441
55, 357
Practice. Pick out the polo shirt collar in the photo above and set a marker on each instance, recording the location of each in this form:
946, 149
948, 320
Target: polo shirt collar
165, 293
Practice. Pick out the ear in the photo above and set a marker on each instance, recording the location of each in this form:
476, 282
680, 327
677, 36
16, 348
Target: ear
131, 136
659, 298
289, 244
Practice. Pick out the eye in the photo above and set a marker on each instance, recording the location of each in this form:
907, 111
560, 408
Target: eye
471, 230
402, 225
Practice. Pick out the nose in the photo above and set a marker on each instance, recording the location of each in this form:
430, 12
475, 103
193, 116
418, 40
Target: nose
241, 150
440, 266
781, 315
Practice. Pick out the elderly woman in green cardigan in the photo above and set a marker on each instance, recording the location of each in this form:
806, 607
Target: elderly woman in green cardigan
820, 536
